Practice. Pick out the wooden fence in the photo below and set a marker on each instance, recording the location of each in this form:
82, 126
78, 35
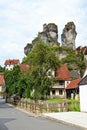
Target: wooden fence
38, 107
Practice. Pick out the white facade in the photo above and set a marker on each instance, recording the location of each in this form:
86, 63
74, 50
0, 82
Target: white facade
57, 93
0, 88
9, 64
58, 90
83, 98
9, 67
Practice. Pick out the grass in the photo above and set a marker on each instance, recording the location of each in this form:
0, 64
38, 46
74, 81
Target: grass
55, 100
73, 105
70, 100
61, 100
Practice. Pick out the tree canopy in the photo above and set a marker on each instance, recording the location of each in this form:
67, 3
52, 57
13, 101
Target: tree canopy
43, 62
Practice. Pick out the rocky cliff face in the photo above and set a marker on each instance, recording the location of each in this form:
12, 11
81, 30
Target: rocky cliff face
69, 35
49, 34
28, 48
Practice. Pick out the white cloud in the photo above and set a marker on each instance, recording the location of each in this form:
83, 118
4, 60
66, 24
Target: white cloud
21, 20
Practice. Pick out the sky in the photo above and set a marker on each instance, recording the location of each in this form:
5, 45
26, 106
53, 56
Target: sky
21, 20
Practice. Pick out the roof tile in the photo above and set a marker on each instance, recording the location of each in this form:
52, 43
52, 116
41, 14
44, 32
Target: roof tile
73, 84
8, 62
63, 73
24, 67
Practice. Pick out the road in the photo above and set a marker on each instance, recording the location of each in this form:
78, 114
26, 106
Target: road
13, 119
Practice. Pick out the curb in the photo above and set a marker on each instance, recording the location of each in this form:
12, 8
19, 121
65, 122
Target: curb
63, 122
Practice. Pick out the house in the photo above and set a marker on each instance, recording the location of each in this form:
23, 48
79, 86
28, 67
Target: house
9, 64
63, 78
2, 85
72, 89
83, 92
84, 51
24, 67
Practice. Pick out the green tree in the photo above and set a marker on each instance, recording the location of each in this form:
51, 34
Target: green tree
43, 61
11, 80
2, 69
70, 58
21, 86
27, 92
17, 82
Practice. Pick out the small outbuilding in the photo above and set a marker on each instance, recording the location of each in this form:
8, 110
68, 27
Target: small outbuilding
72, 89
83, 94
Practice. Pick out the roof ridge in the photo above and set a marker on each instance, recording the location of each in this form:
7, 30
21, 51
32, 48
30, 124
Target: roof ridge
63, 73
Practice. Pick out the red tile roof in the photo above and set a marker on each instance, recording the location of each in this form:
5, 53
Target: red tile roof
73, 84
13, 62
83, 49
24, 67
1, 78
79, 48
63, 73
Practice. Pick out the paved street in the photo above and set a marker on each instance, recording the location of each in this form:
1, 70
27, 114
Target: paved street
13, 119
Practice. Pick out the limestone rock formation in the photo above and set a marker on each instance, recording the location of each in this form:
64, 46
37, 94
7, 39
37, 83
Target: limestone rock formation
28, 48
49, 34
69, 35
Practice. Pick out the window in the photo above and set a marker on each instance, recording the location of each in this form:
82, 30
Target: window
61, 82
53, 92
60, 92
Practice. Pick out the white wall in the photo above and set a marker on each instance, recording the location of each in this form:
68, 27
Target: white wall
83, 98
9, 67
0, 88
66, 83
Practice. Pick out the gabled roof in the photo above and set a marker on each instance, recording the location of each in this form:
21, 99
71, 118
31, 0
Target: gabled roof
83, 49
1, 78
24, 67
13, 62
73, 84
63, 73
79, 48
83, 81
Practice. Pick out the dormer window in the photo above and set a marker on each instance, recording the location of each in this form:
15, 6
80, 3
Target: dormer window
61, 82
